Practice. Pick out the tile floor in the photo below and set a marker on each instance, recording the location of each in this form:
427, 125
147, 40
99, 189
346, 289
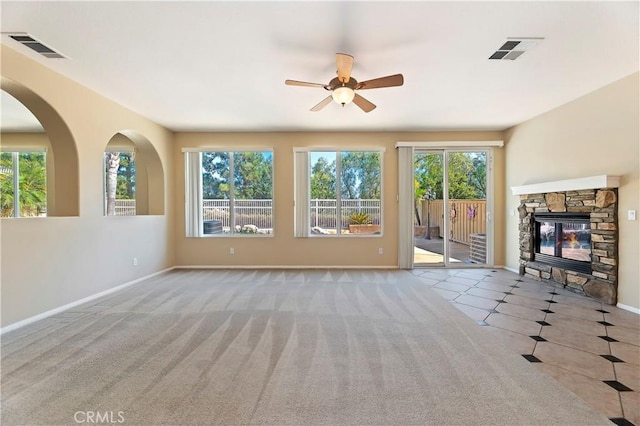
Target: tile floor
590, 348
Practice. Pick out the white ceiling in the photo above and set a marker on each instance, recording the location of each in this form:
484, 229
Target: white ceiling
221, 66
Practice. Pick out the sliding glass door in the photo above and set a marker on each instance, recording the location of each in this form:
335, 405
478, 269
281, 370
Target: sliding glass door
450, 208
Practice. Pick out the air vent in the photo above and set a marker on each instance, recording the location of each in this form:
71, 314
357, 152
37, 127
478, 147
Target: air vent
514, 47
33, 44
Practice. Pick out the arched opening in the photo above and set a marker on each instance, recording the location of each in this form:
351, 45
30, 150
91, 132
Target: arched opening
62, 188
133, 176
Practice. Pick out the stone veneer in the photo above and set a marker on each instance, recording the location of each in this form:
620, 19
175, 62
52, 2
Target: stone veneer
602, 204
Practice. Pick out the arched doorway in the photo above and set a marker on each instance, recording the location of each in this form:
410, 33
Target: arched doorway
133, 165
62, 162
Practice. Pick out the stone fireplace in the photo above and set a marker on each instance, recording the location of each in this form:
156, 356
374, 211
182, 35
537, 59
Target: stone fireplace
569, 234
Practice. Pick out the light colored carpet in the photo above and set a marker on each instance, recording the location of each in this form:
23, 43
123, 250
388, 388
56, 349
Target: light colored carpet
275, 347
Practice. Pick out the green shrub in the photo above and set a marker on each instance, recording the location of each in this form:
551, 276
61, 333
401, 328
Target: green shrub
359, 219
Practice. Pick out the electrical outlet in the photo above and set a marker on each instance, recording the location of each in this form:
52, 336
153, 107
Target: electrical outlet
631, 215
232, 250
380, 251
135, 261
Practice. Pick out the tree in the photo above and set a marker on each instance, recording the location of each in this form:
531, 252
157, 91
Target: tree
428, 179
360, 175
323, 179
112, 162
460, 170
6, 183
215, 175
252, 175
428, 173
479, 176
32, 183
467, 174
126, 177
419, 194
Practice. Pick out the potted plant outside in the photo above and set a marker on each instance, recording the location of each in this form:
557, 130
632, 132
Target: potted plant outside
360, 223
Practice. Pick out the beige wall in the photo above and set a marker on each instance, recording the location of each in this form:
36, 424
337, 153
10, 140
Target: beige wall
594, 135
49, 262
285, 250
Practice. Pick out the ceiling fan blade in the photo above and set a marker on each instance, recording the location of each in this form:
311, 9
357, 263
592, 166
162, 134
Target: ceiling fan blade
302, 83
376, 83
364, 104
344, 64
326, 101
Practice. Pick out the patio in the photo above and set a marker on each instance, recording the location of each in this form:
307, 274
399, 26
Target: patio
429, 251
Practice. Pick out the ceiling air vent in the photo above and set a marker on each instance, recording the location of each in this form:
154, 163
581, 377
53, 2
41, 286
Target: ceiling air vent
34, 44
514, 47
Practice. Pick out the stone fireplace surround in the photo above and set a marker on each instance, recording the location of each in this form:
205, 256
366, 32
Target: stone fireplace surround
597, 196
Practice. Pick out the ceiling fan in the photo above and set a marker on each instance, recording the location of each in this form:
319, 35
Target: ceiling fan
343, 87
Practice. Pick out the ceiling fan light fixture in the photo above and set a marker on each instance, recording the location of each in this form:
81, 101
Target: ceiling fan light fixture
343, 95
343, 87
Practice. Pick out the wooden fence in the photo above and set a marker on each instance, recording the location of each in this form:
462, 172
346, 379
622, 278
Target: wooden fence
467, 217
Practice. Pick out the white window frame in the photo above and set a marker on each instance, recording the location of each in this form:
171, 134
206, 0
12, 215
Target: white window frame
194, 227
302, 189
16, 151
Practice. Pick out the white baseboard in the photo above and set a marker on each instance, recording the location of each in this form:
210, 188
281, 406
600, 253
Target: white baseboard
283, 267
63, 308
514, 270
628, 308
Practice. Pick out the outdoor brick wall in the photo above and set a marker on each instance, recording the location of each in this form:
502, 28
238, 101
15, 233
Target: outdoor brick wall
602, 205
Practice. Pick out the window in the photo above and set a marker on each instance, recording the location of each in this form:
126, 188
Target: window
344, 192
23, 183
229, 193
120, 182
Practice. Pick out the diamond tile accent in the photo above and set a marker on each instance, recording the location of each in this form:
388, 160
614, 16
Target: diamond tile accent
587, 355
611, 358
531, 358
618, 386
621, 421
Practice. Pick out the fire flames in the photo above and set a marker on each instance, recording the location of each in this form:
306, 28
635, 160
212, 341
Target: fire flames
571, 240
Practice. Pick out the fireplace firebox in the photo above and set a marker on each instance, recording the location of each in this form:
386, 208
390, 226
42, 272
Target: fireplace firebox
563, 240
